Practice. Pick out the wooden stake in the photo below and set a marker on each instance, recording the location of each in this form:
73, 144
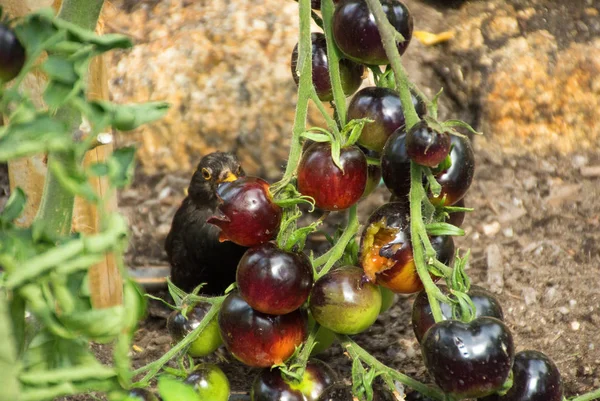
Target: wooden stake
29, 173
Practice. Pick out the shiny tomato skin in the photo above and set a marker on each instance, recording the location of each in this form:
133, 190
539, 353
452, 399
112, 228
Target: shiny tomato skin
456, 180
395, 166
332, 188
210, 382
274, 281
427, 146
535, 378
469, 360
356, 33
344, 301
383, 106
141, 395
351, 73
269, 384
486, 304
248, 216
180, 326
316, 4
12, 54
258, 339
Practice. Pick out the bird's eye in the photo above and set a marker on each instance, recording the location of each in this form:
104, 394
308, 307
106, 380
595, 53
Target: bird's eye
239, 171
206, 174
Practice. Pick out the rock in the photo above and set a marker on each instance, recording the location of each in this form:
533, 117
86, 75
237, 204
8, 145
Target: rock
224, 67
530, 295
530, 70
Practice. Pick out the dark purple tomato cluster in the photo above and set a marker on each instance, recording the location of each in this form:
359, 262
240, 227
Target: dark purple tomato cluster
351, 73
262, 322
383, 106
12, 54
259, 339
356, 33
474, 359
486, 304
455, 180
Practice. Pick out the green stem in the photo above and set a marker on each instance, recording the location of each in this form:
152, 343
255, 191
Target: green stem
333, 58
442, 267
66, 388
304, 91
331, 124
84, 13
337, 251
298, 365
388, 38
417, 232
154, 367
8, 349
356, 351
77, 373
56, 207
592, 395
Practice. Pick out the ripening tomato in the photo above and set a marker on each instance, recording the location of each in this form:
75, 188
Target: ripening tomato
344, 301
256, 338
274, 281
248, 216
385, 250
469, 360
357, 35
332, 188
270, 385
180, 326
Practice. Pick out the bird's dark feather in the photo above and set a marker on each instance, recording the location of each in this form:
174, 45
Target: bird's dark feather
193, 248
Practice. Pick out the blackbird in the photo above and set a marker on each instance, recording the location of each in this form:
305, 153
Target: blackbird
193, 248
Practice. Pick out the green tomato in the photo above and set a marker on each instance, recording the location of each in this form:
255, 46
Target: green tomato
324, 338
344, 302
210, 382
388, 299
207, 342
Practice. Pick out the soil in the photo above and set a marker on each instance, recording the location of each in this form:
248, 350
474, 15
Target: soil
534, 238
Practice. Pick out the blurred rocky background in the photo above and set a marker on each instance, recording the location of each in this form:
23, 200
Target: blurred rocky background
526, 72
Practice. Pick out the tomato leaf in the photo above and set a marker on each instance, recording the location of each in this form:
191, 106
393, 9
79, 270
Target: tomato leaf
443, 229
126, 117
173, 390
461, 124
121, 165
40, 135
14, 207
9, 380
335, 154
60, 69
316, 137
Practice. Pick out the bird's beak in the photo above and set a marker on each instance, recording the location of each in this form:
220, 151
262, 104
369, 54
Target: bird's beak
227, 176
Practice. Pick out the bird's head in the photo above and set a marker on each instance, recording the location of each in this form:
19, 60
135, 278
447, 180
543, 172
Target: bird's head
214, 169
